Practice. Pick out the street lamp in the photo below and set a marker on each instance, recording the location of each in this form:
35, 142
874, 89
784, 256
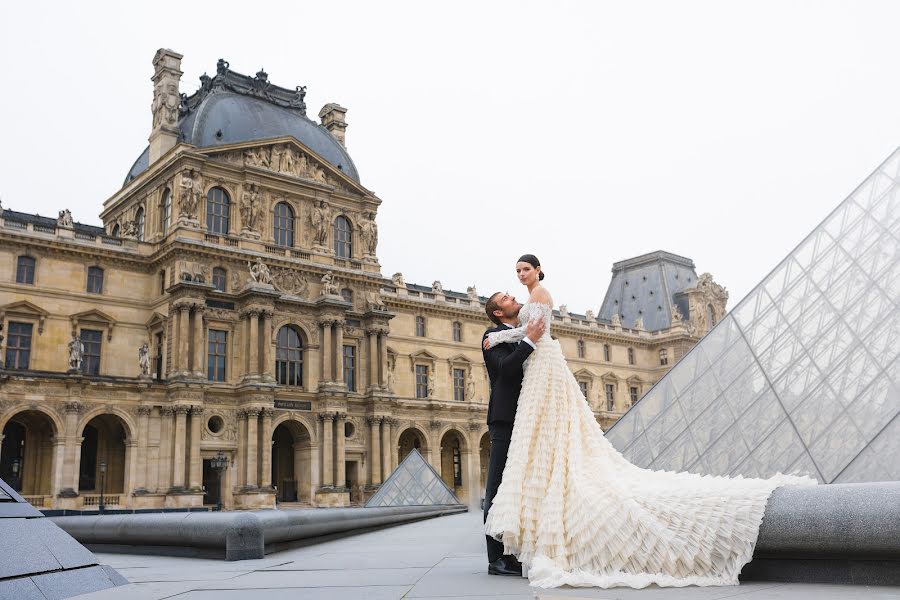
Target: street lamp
16, 466
219, 462
102, 484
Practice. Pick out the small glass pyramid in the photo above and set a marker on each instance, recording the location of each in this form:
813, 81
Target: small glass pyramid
803, 375
413, 483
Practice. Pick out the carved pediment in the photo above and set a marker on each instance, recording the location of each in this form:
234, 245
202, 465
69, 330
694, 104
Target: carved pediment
155, 320
610, 377
93, 317
25, 309
584, 374
421, 356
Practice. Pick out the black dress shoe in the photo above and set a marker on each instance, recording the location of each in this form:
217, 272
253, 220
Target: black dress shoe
504, 566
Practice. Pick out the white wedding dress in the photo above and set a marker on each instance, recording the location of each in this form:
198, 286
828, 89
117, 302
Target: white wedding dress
577, 513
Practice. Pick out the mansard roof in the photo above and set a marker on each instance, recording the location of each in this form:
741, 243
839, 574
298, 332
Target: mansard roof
26, 218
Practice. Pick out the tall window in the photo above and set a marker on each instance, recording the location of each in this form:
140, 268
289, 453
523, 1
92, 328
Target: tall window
350, 367
215, 365
580, 345
289, 357
457, 465
162, 282
284, 225
95, 280
92, 340
25, 270
115, 231
139, 224
218, 211
159, 356
420, 326
607, 355
633, 395
343, 243
457, 331
663, 357
610, 397
18, 346
347, 295
165, 211
631, 356
710, 315
421, 381
219, 277
459, 385
584, 388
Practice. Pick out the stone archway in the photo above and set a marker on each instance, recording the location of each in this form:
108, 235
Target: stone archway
454, 462
292, 462
104, 460
409, 439
27, 454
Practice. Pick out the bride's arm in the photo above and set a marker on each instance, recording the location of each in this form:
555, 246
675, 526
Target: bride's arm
510, 334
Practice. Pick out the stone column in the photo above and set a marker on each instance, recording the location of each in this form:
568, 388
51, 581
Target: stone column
69, 467
327, 449
373, 358
199, 342
166, 435
386, 447
195, 479
59, 459
326, 351
252, 447
184, 337
253, 344
178, 460
265, 448
374, 450
339, 353
382, 359
142, 441
340, 478
268, 368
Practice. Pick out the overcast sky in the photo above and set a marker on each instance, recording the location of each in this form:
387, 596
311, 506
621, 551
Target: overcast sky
585, 133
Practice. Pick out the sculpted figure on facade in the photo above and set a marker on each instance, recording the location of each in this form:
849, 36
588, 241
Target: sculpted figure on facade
251, 209
165, 104
677, 317
128, 229
283, 159
639, 323
436, 287
329, 285
472, 293
431, 383
64, 219
76, 352
259, 272
563, 311
616, 320
320, 217
144, 359
589, 315
373, 300
189, 198
470, 386
369, 234
397, 280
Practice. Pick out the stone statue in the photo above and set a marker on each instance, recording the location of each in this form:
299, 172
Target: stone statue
329, 286
639, 323
369, 234
431, 386
390, 379
144, 359
320, 218
616, 320
128, 229
677, 317
165, 104
263, 157
473, 293
251, 209
397, 280
76, 352
190, 194
563, 311
437, 288
470, 386
259, 272
286, 162
373, 300
589, 315
64, 219
317, 173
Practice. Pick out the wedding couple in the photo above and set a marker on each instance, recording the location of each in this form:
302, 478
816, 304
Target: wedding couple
561, 500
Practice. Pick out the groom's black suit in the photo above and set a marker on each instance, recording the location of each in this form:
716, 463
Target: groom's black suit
504, 366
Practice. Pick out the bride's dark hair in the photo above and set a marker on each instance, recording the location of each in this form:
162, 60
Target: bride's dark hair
532, 260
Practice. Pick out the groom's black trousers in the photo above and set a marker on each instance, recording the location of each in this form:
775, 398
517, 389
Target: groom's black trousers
500, 434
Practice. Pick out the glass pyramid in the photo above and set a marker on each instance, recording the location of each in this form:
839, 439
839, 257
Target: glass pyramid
413, 483
803, 375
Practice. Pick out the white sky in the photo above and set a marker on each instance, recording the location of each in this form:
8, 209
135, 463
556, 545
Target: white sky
584, 132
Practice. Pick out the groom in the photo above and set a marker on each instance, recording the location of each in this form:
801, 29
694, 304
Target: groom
504, 366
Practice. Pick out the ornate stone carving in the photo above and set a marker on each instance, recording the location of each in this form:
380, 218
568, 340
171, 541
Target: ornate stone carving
589, 315
258, 85
144, 410
616, 320
251, 209
397, 280
71, 408
320, 218
190, 192
76, 352
472, 293
144, 359
290, 281
192, 271
166, 99
329, 285
437, 288
326, 417
564, 311
237, 280
639, 323
181, 409
368, 232
474, 426
435, 424
431, 383
259, 272
470, 385
373, 300
65, 219
677, 317
267, 413
166, 411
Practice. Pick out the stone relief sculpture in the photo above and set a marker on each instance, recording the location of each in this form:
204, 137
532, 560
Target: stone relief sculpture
563, 311
373, 300
64, 219
144, 359
677, 317
472, 293
397, 280
128, 229
259, 272
165, 101
237, 281
616, 320
369, 234
589, 315
320, 217
189, 198
431, 383
329, 286
390, 377
193, 271
290, 282
639, 323
437, 288
251, 209
76, 352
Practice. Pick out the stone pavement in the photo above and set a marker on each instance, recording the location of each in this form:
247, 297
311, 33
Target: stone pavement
438, 559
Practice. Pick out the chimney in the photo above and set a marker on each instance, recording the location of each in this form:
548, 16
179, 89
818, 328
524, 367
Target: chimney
166, 99
332, 116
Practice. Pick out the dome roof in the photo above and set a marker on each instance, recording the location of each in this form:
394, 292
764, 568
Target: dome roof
221, 114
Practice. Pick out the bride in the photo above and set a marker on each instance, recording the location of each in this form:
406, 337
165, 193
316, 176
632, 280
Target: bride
575, 511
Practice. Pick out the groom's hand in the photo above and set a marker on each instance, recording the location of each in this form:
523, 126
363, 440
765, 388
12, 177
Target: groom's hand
535, 329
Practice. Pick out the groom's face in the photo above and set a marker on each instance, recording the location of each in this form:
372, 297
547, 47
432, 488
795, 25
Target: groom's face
508, 306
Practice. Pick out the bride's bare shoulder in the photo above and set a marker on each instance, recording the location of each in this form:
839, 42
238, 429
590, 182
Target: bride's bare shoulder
540, 294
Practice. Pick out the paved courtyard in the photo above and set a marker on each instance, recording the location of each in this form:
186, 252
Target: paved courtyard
437, 559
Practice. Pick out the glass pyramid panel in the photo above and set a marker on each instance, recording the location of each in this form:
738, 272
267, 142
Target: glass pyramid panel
413, 483
803, 375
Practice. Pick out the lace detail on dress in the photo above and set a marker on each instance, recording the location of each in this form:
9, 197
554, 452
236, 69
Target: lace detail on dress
529, 312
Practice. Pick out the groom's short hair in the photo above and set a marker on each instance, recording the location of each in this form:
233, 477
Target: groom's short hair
490, 306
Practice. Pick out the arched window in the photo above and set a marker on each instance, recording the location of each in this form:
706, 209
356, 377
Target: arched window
218, 211
284, 225
289, 357
219, 277
457, 331
139, 224
710, 315
580, 348
95, 280
347, 295
343, 244
165, 211
115, 230
25, 270
606, 353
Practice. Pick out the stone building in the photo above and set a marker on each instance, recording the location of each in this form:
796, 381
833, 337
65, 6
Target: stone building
232, 304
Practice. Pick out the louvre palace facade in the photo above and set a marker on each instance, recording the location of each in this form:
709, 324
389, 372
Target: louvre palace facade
232, 305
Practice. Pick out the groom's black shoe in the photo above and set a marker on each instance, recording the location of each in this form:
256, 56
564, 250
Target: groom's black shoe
505, 566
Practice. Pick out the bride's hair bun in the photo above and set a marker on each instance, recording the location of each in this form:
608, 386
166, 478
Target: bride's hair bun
541, 276
532, 260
